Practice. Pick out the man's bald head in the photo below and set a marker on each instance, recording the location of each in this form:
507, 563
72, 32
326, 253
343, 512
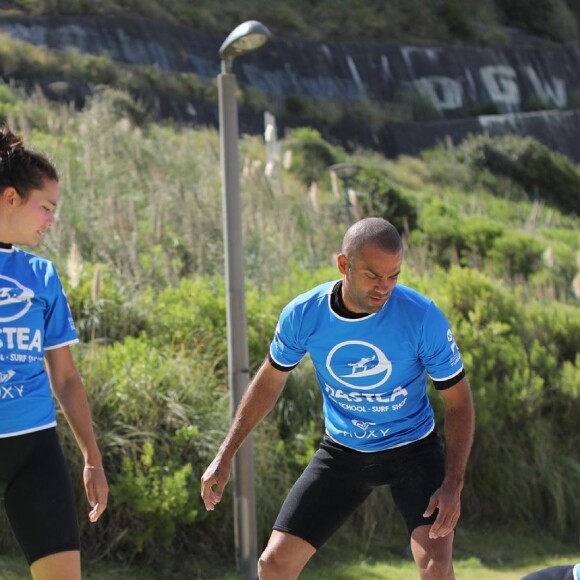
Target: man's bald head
372, 231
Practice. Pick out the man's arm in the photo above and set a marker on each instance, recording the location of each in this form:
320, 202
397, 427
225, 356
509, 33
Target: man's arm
257, 402
459, 428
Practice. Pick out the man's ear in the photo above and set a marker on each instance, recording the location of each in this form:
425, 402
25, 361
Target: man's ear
342, 263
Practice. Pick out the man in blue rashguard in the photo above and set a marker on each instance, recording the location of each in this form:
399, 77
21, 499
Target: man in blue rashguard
373, 343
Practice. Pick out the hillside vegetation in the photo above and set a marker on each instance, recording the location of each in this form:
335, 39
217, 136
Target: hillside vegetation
490, 234
70, 75
407, 21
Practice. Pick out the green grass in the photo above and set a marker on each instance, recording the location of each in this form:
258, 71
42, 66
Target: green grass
482, 553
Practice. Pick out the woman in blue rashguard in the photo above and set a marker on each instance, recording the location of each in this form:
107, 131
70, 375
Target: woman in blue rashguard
36, 363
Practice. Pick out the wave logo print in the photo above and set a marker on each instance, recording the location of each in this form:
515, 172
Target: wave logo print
5, 377
15, 299
364, 425
359, 365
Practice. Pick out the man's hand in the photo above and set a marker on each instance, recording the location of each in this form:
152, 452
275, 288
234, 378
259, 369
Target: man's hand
447, 500
213, 482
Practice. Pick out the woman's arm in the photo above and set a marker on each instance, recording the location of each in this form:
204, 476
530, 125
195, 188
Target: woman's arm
69, 391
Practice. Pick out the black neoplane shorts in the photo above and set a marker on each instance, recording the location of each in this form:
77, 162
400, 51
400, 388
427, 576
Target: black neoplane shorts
38, 494
338, 480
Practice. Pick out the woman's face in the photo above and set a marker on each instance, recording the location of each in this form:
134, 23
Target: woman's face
29, 218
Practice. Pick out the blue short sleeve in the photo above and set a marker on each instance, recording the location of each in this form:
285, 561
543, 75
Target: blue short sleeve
286, 349
438, 350
59, 327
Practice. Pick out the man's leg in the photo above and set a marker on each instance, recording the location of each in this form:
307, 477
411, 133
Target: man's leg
329, 490
284, 557
61, 566
434, 558
420, 470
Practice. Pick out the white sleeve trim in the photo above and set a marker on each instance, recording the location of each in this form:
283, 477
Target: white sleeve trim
447, 378
287, 366
73, 341
31, 430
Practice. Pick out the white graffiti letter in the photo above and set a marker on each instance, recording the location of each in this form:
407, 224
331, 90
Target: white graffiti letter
500, 82
550, 90
444, 93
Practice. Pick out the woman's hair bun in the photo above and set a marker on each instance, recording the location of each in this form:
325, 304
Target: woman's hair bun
9, 142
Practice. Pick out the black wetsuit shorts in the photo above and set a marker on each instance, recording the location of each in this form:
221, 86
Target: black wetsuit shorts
338, 480
37, 492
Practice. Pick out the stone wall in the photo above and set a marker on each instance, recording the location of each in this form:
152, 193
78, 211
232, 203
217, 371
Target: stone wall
457, 82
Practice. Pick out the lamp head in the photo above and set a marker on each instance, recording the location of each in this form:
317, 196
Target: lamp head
244, 38
345, 170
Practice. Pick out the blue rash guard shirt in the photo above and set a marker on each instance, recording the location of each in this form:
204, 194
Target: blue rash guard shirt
372, 370
34, 317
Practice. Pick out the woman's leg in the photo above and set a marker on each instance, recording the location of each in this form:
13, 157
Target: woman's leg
61, 566
40, 505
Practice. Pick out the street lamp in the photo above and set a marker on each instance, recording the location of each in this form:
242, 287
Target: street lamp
346, 172
243, 39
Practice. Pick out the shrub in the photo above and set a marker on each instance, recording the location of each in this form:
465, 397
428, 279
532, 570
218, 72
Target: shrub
516, 254
102, 308
380, 198
312, 155
477, 236
158, 497
540, 172
522, 365
438, 231
422, 108
158, 413
456, 17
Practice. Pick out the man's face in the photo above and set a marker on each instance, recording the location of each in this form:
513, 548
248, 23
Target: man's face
368, 278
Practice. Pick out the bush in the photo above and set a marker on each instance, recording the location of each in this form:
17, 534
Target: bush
159, 413
422, 108
477, 236
312, 155
102, 308
522, 365
158, 497
380, 198
516, 255
456, 17
555, 277
541, 173
438, 231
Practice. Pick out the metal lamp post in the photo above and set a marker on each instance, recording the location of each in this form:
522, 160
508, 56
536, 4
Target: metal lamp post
346, 172
243, 39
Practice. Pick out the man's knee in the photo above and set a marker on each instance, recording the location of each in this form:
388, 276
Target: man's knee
284, 557
435, 569
274, 565
434, 558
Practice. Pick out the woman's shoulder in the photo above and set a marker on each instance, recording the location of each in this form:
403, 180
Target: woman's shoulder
37, 267
33, 259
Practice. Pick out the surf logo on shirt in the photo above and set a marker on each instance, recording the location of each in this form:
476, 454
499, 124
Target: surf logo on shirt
364, 425
9, 391
455, 355
5, 377
359, 365
367, 433
15, 299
